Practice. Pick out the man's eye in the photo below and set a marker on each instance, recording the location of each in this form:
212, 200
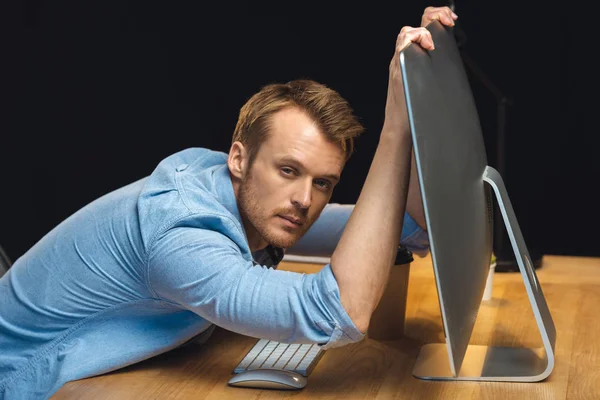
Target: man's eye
323, 184
287, 171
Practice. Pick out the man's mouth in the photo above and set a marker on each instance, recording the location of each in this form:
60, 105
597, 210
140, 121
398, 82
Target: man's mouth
292, 219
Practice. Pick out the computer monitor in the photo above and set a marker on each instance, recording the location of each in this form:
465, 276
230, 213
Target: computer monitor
456, 187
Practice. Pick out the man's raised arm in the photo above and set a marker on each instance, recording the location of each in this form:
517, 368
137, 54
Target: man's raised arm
362, 259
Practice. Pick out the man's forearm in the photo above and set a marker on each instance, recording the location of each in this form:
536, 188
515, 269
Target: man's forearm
414, 202
362, 259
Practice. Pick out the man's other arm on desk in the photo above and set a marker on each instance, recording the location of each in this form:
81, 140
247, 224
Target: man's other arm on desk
324, 235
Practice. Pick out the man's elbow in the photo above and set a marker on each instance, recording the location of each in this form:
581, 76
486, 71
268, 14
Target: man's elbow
362, 324
360, 314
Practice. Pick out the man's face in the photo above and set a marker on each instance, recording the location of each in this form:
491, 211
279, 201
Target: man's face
290, 181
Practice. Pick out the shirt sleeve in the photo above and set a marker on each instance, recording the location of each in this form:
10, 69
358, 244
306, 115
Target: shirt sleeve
414, 238
322, 238
205, 272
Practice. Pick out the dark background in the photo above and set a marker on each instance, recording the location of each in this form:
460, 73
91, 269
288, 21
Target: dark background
97, 93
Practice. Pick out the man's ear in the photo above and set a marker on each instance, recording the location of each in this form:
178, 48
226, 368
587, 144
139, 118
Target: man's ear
237, 161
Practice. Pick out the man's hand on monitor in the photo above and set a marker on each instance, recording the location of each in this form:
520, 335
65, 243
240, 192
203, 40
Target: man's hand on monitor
443, 14
396, 118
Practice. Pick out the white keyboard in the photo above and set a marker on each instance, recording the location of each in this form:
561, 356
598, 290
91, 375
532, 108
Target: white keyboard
300, 358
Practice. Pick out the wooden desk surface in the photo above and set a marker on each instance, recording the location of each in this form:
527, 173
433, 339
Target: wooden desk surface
373, 369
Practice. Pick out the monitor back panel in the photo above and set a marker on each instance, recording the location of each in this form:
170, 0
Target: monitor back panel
451, 159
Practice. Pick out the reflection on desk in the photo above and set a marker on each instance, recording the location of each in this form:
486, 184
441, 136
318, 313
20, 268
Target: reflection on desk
384, 368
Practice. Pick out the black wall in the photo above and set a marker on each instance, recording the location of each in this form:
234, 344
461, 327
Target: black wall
97, 93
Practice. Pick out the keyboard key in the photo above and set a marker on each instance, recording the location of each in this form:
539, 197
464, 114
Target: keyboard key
275, 355
262, 356
287, 355
252, 354
298, 356
308, 358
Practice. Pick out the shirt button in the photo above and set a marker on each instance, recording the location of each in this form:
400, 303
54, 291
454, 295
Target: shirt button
182, 167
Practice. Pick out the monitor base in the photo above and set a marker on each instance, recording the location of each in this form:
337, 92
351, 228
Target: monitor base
482, 363
485, 363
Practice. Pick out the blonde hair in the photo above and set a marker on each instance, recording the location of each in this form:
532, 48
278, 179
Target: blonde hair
326, 107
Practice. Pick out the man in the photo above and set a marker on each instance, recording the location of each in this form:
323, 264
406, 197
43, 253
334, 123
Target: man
148, 267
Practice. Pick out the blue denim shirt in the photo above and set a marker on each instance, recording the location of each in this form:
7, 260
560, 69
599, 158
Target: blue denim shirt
145, 268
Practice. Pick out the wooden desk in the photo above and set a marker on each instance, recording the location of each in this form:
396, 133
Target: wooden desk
372, 369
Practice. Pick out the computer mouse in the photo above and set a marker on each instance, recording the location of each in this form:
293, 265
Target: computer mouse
266, 378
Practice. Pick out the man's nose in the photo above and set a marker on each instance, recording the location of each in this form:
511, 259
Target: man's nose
302, 197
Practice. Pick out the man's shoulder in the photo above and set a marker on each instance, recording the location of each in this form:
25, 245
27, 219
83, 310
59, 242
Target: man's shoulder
194, 163
190, 189
197, 156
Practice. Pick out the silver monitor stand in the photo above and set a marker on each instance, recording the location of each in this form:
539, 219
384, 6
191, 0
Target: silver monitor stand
487, 363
